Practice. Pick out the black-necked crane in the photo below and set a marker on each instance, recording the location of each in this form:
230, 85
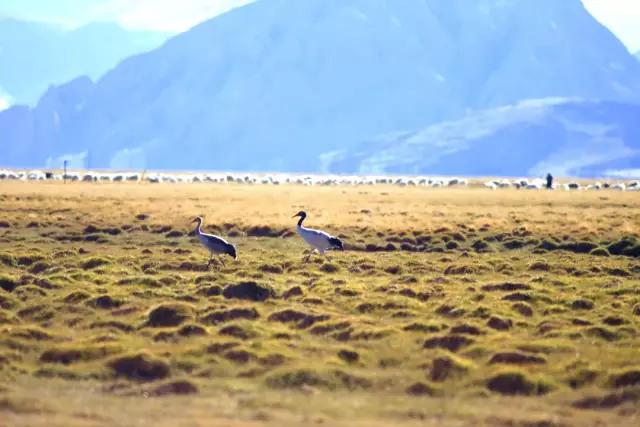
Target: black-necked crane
215, 244
318, 240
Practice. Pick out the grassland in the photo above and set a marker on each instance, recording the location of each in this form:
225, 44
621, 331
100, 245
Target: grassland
449, 307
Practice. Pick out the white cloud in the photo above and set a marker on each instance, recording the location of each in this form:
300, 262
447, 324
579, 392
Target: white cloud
164, 15
129, 159
5, 100
621, 16
74, 161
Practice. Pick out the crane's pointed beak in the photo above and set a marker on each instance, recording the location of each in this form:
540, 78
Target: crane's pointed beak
296, 215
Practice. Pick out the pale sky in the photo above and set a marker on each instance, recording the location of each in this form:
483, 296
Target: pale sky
621, 16
160, 15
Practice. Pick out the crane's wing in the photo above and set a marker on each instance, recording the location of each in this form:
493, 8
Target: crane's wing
216, 243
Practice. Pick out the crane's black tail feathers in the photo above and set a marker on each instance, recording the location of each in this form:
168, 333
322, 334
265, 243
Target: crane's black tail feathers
336, 243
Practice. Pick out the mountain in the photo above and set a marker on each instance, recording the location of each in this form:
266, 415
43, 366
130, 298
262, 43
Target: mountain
276, 84
567, 137
36, 55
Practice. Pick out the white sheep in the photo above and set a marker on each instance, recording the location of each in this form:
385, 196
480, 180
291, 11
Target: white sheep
35, 176
491, 185
534, 186
152, 179
89, 177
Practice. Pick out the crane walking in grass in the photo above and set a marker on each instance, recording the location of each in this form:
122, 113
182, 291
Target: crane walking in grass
215, 244
318, 240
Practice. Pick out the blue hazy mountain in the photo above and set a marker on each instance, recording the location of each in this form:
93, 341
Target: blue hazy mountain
35, 55
276, 84
566, 137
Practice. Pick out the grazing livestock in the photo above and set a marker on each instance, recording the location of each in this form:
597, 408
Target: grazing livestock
36, 176
491, 185
312, 180
573, 186
89, 177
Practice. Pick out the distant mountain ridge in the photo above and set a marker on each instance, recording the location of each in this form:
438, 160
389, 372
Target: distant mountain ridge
36, 55
277, 84
567, 137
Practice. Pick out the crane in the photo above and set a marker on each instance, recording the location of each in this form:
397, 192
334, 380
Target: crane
320, 241
215, 244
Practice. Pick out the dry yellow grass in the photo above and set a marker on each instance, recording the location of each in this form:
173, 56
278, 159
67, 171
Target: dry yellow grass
449, 307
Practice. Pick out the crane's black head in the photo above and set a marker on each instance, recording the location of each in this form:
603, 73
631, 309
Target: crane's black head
302, 215
197, 219
231, 251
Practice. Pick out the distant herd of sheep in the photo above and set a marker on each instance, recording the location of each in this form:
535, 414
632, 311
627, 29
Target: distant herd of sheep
308, 180
540, 184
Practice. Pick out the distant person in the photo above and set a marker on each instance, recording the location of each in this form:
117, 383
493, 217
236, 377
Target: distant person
549, 181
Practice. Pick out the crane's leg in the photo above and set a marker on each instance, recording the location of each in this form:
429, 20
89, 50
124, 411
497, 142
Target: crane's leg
212, 260
221, 261
308, 257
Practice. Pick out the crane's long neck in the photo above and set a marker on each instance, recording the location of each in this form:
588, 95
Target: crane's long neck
199, 228
301, 220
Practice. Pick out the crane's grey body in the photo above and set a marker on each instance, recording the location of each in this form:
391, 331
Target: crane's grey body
319, 240
215, 244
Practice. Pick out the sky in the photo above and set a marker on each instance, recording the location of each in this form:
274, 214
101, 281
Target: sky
159, 15
621, 16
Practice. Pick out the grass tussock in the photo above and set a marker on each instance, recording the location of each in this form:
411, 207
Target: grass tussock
139, 367
78, 353
168, 315
518, 383
94, 262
